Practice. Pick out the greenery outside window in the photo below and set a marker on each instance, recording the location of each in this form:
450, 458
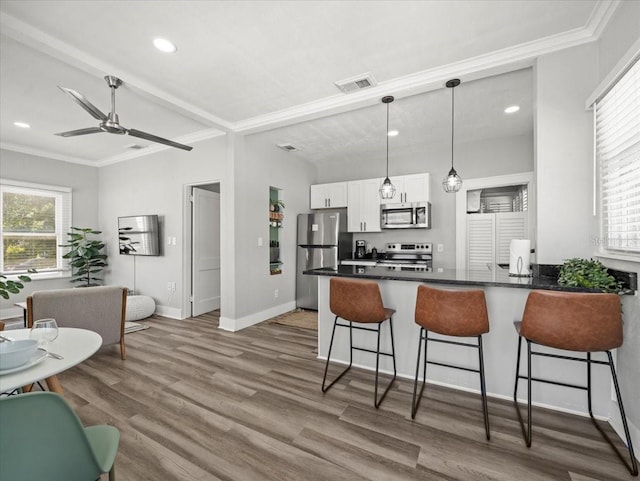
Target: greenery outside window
35, 221
617, 117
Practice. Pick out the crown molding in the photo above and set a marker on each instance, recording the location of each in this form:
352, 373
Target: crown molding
600, 16
155, 148
46, 154
37, 39
493, 63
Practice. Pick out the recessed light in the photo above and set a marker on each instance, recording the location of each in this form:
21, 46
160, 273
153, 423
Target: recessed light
164, 45
22, 125
512, 109
392, 133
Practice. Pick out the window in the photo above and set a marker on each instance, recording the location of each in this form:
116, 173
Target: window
618, 157
35, 221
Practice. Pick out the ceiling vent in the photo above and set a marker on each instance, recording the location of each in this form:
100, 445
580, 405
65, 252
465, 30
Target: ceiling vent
359, 82
288, 147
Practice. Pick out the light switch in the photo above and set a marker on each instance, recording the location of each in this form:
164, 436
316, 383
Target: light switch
259, 241
440, 247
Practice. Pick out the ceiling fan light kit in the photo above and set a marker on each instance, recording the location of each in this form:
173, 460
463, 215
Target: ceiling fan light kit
452, 182
111, 123
387, 190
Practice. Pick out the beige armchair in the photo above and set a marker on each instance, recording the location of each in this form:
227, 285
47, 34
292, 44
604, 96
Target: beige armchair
99, 309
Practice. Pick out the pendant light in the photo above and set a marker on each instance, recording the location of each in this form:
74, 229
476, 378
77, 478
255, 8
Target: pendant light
453, 181
387, 190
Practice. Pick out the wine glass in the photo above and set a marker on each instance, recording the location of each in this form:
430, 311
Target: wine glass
44, 331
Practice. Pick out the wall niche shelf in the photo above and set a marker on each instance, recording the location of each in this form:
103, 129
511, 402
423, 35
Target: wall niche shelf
276, 217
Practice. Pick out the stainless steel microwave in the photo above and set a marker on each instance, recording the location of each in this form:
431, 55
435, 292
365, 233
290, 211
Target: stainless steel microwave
409, 215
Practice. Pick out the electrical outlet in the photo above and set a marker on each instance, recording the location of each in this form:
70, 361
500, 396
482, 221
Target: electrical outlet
276, 293
169, 286
173, 287
440, 269
440, 247
259, 241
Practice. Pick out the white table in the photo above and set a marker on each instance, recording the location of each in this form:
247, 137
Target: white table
75, 345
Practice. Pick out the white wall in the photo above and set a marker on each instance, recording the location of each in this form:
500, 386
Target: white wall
83, 181
564, 157
479, 159
155, 184
259, 165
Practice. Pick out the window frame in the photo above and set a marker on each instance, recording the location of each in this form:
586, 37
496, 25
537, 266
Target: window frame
63, 221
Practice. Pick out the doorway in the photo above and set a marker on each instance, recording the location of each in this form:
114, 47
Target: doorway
205, 248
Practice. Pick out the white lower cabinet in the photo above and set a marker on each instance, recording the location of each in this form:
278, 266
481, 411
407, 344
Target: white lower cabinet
363, 205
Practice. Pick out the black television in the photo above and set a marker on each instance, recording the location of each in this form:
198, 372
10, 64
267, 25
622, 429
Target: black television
138, 235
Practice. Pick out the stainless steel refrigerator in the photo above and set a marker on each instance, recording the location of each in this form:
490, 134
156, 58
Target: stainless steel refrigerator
323, 241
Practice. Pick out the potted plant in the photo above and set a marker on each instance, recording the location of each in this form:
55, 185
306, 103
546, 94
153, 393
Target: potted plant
9, 286
589, 273
84, 256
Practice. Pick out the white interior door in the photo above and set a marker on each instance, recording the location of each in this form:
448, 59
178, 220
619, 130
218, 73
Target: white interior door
206, 251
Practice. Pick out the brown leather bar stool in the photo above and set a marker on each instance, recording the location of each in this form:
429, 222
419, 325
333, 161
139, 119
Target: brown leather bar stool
359, 302
452, 313
572, 321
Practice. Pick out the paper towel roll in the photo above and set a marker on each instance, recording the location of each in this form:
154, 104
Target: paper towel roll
519, 257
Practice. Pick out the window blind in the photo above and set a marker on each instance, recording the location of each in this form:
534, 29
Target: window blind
35, 221
618, 155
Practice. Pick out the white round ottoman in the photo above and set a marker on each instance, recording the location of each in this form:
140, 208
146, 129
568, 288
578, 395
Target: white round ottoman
139, 307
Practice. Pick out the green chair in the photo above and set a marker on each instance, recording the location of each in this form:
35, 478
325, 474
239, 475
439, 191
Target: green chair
41, 437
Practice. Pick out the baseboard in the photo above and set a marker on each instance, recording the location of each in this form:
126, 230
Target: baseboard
234, 325
170, 312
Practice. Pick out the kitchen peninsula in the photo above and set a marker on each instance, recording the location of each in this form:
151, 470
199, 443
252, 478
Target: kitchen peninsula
505, 296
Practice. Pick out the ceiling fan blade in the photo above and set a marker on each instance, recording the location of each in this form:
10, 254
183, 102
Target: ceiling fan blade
154, 138
84, 103
73, 133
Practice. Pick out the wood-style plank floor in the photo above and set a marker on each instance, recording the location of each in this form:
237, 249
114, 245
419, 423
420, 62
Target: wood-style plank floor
193, 402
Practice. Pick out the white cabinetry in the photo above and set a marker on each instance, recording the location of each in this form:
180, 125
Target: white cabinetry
410, 188
325, 196
489, 237
363, 209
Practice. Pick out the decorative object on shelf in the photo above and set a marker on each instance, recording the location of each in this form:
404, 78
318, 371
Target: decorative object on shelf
387, 190
84, 256
453, 181
589, 273
10, 286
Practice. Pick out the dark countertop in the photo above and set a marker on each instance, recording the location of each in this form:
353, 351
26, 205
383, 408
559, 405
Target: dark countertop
545, 277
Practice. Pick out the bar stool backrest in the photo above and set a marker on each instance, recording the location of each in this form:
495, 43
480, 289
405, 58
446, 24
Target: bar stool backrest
575, 321
357, 301
453, 313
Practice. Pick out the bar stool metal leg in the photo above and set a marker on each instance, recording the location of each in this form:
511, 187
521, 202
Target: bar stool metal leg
326, 367
376, 401
483, 388
415, 403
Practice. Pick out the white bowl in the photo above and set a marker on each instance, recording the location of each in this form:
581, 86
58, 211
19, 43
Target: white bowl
16, 353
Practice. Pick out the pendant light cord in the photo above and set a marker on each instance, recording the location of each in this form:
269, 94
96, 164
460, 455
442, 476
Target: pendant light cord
387, 135
452, 110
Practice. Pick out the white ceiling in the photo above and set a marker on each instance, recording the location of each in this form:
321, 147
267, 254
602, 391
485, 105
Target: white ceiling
269, 66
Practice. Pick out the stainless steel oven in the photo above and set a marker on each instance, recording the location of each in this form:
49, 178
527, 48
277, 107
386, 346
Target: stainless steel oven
408, 256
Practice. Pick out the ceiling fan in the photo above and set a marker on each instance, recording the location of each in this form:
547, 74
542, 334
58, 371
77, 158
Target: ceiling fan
110, 123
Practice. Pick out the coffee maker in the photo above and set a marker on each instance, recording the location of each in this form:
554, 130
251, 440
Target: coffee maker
361, 249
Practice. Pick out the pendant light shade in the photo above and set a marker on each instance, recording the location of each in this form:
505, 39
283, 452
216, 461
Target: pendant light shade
452, 182
387, 190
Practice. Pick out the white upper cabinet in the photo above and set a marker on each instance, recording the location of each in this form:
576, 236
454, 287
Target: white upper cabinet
327, 196
363, 210
410, 188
